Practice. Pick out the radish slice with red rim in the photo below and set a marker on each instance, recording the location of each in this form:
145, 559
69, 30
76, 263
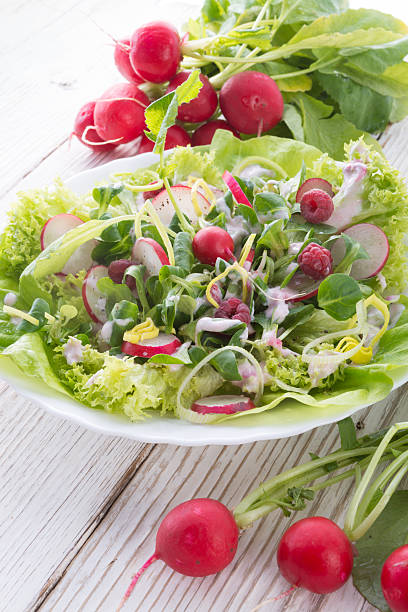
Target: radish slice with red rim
235, 189
314, 183
182, 194
56, 227
222, 404
166, 344
302, 287
95, 300
373, 240
150, 254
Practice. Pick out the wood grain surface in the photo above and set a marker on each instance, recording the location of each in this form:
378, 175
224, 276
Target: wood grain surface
78, 510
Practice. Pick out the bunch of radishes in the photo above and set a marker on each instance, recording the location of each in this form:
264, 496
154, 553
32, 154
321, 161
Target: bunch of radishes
250, 101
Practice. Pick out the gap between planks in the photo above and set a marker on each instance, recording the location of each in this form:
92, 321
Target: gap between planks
116, 492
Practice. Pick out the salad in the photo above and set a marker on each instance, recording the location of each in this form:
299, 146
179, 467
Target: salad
214, 284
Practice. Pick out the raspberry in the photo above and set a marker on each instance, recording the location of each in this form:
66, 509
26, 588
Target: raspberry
233, 308
316, 206
316, 261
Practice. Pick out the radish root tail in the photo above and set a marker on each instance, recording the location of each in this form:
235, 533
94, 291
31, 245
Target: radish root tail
135, 578
96, 144
281, 596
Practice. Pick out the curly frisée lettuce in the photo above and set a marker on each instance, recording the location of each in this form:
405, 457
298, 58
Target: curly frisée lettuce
385, 203
102, 381
20, 240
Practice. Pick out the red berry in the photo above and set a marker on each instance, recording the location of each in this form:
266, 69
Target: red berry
316, 206
316, 261
233, 308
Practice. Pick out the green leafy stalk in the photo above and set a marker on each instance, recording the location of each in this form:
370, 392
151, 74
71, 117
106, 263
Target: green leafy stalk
376, 448
370, 500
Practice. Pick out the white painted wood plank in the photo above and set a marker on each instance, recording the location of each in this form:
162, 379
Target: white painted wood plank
58, 480
100, 573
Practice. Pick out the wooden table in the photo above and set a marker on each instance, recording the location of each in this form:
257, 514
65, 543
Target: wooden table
79, 510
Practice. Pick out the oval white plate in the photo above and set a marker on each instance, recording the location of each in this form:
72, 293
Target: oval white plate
286, 420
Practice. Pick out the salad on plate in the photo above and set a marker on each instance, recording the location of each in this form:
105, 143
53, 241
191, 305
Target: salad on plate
214, 284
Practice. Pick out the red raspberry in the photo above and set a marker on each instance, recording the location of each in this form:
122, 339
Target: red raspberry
233, 308
316, 261
316, 206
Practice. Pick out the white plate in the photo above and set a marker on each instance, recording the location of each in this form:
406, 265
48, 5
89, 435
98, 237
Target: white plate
288, 419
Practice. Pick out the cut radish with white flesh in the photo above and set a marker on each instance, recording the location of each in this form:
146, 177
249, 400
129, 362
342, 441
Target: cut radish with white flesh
166, 344
222, 404
314, 183
94, 300
302, 287
182, 195
150, 254
235, 189
373, 240
56, 227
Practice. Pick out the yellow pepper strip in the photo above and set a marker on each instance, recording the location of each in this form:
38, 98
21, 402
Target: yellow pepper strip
143, 331
195, 184
138, 221
49, 317
15, 312
365, 354
241, 271
246, 249
156, 186
162, 231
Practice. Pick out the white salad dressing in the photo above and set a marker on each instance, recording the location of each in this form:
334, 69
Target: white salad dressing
234, 225
218, 326
279, 303
73, 350
106, 331
322, 365
92, 379
10, 299
269, 337
348, 201
294, 248
255, 171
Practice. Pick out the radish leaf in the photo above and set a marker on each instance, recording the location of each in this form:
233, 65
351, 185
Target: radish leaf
388, 532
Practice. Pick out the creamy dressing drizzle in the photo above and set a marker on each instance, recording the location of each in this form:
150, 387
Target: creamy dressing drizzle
348, 201
10, 299
218, 326
73, 350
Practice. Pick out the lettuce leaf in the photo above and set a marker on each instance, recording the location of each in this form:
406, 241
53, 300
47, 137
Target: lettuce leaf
20, 240
123, 386
196, 161
289, 154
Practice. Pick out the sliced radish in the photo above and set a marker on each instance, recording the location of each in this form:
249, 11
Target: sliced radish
150, 254
235, 189
56, 227
314, 183
301, 287
163, 344
94, 300
373, 240
182, 195
222, 404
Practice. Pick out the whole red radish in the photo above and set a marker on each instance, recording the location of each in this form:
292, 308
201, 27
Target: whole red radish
176, 136
122, 61
155, 51
251, 102
119, 113
315, 554
85, 130
197, 538
212, 242
205, 133
202, 107
394, 579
